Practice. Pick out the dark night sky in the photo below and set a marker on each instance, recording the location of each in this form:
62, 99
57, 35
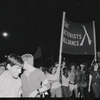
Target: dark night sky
33, 23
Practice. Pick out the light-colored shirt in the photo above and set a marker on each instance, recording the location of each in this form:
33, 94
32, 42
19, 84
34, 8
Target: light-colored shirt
9, 86
65, 81
52, 77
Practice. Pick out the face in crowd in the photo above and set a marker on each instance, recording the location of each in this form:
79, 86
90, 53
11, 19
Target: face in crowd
63, 64
78, 67
14, 65
82, 66
96, 66
15, 71
28, 60
2, 69
54, 69
72, 67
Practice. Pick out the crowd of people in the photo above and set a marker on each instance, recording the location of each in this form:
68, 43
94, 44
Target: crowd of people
20, 78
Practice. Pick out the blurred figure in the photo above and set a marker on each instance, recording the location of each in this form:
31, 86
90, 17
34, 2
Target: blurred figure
79, 76
32, 78
82, 67
72, 80
64, 80
65, 83
94, 80
10, 83
55, 89
2, 67
85, 75
41, 68
44, 94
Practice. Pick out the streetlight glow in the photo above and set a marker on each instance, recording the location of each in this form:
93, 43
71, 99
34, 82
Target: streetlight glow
5, 34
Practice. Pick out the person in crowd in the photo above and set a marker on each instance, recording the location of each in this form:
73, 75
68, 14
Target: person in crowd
41, 68
85, 75
2, 67
32, 78
65, 80
63, 65
72, 80
55, 90
79, 76
65, 83
82, 68
44, 94
10, 83
94, 80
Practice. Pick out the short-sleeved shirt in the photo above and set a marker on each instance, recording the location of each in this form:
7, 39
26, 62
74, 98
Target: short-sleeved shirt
95, 76
32, 82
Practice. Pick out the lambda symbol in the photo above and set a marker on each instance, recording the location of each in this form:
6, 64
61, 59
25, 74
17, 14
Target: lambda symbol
86, 34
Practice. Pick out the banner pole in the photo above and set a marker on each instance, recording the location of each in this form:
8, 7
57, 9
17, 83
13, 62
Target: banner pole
95, 51
61, 43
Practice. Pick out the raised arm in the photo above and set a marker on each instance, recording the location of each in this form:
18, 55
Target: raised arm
90, 80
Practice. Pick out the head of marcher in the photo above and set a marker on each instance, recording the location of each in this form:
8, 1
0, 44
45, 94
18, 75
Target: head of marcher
95, 65
78, 68
2, 67
72, 66
54, 69
28, 60
14, 65
63, 63
56, 64
82, 66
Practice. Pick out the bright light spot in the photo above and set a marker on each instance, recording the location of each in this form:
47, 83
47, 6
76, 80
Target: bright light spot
5, 55
5, 34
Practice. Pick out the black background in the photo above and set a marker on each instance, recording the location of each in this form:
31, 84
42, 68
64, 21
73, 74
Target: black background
34, 23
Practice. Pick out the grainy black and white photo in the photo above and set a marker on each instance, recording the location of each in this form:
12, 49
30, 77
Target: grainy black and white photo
50, 49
